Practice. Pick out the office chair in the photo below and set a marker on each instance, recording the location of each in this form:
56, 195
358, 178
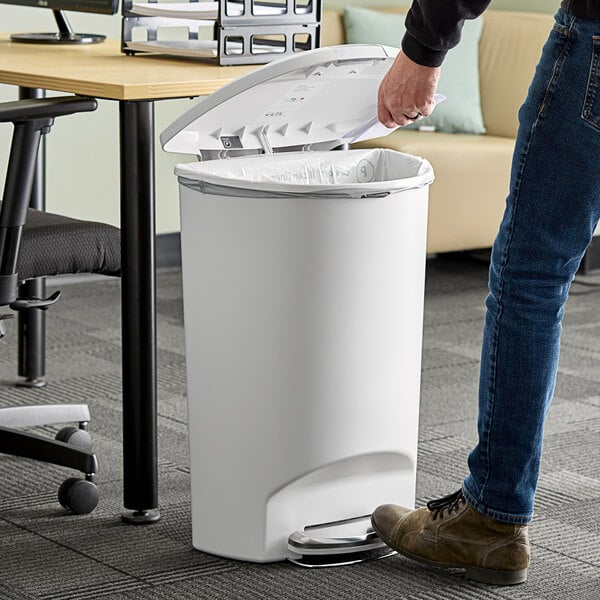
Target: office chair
35, 244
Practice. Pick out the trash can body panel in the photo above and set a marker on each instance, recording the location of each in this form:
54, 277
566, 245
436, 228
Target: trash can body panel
304, 361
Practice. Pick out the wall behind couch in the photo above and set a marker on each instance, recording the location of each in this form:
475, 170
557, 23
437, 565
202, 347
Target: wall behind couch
83, 159
546, 6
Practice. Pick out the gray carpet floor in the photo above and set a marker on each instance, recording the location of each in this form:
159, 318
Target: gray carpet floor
48, 554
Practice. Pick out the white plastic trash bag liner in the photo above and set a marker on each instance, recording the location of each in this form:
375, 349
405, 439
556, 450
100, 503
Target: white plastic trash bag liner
352, 174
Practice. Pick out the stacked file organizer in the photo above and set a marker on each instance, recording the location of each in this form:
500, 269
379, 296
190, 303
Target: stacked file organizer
231, 32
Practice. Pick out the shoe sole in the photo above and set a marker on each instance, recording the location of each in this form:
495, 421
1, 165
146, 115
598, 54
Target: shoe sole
491, 576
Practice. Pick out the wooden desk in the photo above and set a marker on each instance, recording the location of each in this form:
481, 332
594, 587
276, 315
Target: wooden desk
101, 71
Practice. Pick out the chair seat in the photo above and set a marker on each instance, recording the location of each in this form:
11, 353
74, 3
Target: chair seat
56, 245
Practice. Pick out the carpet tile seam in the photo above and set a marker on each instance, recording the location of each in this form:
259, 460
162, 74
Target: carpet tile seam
75, 550
566, 555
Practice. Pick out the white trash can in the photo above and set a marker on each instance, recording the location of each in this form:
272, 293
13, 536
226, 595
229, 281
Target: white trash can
303, 277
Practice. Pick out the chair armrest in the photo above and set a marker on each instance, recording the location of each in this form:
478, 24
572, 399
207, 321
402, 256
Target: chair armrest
43, 108
31, 119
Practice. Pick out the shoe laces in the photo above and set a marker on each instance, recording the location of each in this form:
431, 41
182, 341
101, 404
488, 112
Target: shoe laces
447, 503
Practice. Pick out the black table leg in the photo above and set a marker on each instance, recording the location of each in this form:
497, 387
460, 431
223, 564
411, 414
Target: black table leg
31, 323
138, 305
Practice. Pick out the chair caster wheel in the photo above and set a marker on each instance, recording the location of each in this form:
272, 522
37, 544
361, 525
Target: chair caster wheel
78, 495
76, 437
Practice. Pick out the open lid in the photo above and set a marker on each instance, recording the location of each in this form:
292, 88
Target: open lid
319, 98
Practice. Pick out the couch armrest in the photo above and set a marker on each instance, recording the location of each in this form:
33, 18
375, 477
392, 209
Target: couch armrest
332, 28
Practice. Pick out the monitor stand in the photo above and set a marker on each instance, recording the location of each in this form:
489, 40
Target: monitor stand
65, 34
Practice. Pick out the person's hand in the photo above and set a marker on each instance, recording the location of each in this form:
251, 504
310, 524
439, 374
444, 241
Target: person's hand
406, 92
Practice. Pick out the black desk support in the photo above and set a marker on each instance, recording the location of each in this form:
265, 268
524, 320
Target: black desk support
138, 305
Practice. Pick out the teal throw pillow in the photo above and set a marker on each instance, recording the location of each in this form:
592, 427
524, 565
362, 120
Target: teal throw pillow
459, 81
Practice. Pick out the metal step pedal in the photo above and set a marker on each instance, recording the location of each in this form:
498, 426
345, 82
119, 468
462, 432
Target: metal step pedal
336, 544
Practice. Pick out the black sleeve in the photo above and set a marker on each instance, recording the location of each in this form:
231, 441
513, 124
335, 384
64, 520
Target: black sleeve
434, 26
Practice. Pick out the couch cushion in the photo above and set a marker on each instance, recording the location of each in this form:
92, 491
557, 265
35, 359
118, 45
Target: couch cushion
332, 25
510, 48
467, 198
461, 112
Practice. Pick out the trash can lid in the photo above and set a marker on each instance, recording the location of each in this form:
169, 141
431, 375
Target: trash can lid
318, 100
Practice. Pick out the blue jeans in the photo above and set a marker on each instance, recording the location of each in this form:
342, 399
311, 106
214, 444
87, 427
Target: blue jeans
551, 212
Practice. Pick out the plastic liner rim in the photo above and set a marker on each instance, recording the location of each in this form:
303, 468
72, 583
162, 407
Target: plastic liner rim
333, 191
193, 175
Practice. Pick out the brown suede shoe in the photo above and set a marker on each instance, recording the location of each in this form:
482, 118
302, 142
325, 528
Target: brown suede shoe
450, 533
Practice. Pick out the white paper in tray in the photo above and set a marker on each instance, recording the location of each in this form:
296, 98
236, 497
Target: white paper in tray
197, 10
192, 48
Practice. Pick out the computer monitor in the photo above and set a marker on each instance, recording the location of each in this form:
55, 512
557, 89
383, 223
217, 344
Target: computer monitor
65, 34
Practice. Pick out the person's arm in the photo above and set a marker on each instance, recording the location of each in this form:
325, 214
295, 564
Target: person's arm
432, 28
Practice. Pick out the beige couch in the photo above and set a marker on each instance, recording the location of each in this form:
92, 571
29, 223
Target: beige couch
472, 171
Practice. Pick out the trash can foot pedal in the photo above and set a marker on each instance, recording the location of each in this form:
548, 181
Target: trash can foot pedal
336, 544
